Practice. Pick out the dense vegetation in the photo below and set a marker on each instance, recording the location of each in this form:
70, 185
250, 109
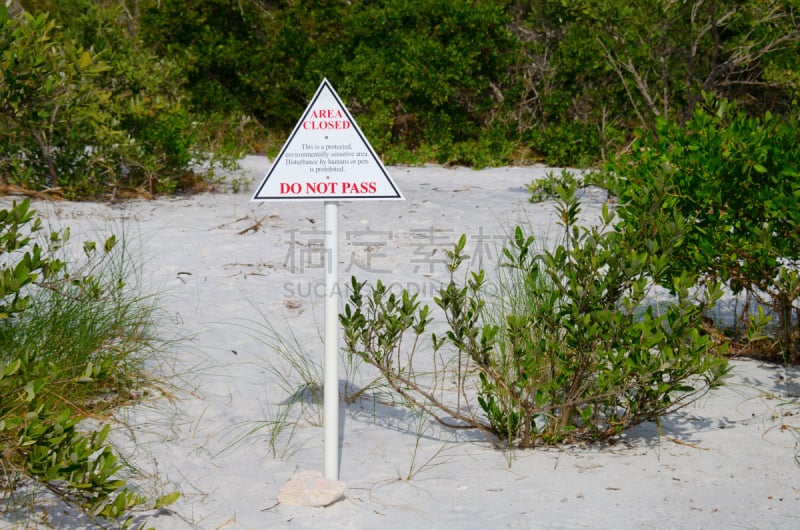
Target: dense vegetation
153, 85
482, 82
735, 179
87, 112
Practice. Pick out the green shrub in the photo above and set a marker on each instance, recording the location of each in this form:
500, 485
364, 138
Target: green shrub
736, 179
417, 74
573, 347
565, 82
55, 128
440, 57
574, 143
16, 228
548, 187
72, 344
81, 117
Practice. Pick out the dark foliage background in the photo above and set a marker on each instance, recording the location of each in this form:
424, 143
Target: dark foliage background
475, 82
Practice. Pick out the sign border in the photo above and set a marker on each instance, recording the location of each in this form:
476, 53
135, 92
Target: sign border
326, 84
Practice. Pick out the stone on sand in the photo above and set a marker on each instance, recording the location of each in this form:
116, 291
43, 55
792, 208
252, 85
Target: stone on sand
310, 488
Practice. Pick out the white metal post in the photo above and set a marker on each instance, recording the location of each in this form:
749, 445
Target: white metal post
331, 366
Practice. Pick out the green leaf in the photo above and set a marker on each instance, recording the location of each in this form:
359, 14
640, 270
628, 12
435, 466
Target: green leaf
111, 242
88, 373
30, 392
11, 368
84, 60
166, 500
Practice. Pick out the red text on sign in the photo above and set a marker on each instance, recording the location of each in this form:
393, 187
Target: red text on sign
354, 188
328, 188
293, 188
326, 119
321, 187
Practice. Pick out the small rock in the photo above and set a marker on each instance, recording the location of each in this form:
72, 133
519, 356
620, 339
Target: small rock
310, 488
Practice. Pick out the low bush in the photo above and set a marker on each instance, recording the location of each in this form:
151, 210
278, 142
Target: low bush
736, 180
574, 347
72, 345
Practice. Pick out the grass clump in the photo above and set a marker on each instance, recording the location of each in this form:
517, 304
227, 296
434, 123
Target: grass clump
73, 344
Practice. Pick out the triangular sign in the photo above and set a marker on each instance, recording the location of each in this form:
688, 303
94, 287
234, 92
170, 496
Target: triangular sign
327, 157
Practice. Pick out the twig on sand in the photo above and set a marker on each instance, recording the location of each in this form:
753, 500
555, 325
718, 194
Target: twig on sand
253, 227
268, 508
688, 444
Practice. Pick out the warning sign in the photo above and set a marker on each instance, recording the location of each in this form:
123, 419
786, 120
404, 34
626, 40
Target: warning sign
327, 157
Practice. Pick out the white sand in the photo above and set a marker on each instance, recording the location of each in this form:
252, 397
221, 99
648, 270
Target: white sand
726, 461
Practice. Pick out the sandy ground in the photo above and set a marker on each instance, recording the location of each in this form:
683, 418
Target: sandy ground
237, 278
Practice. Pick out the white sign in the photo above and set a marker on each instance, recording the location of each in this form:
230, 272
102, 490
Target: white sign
328, 158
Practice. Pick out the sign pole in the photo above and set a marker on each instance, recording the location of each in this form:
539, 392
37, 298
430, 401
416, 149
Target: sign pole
331, 366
